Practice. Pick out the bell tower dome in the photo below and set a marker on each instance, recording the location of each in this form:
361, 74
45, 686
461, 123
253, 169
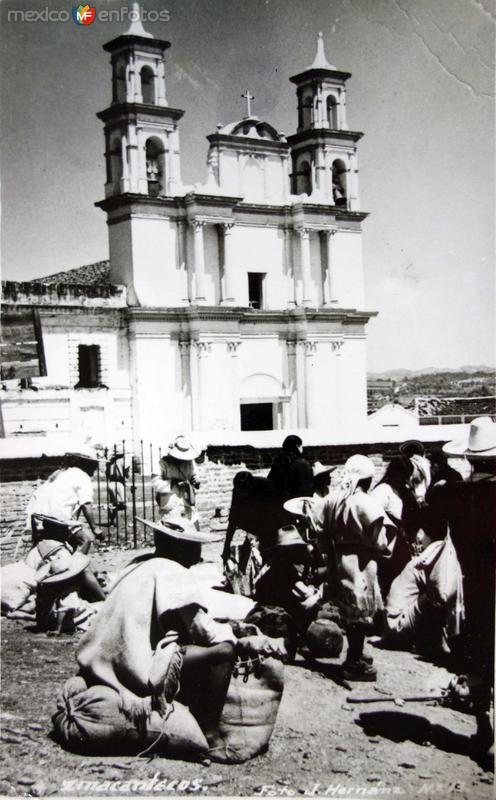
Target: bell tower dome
323, 149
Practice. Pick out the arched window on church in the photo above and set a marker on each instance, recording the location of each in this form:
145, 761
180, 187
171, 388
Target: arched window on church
115, 164
307, 109
304, 178
147, 85
155, 167
332, 112
339, 187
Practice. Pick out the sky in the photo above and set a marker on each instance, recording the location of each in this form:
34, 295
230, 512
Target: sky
422, 91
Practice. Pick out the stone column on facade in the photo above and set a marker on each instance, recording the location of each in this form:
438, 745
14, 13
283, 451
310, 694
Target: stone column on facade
160, 83
229, 297
124, 183
301, 400
310, 349
174, 179
232, 347
186, 385
203, 349
198, 261
354, 197
306, 273
292, 383
133, 158
182, 257
320, 171
329, 282
135, 81
289, 265
336, 347
142, 180
328, 177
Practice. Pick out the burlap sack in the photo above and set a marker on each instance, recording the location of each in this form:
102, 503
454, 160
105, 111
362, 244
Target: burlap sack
250, 712
92, 720
17, 582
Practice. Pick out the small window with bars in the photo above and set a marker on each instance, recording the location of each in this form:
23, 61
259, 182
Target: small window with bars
89, 372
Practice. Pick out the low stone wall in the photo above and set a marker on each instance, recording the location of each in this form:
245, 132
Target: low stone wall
20, 478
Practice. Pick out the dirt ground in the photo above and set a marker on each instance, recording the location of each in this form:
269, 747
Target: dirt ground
321, 746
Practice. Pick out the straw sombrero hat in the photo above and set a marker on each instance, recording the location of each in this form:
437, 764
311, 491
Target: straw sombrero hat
69, 568
479, 444
320, 469
182, 529
288, 536
299, 505
182, 449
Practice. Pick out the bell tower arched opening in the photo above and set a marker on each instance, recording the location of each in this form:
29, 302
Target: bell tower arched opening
147, 78
155, 167
332, 112
339, 183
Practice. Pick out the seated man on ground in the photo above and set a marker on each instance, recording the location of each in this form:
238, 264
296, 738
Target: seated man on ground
68, 592
424, 606
154, 634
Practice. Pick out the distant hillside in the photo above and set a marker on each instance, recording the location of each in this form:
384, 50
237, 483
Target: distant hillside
402, 374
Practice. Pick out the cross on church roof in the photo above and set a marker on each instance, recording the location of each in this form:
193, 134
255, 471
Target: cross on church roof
248, 97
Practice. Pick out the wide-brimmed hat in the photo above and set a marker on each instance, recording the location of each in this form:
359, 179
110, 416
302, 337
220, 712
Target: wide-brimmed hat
87, 453
480, 443
182, 449
298, 505
320, 469
181, 529
360, 465
62, 571
288, 536
412, 447
47, 547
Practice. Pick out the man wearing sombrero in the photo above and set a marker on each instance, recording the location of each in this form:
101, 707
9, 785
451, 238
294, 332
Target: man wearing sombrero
469, 508
175, 481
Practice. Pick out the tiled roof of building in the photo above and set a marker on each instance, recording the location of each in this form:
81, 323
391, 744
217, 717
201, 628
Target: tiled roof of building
91, 274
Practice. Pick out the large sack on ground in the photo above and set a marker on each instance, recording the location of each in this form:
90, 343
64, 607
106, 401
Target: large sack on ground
92, 720
225, 606
250, 711
446, 576
18, 581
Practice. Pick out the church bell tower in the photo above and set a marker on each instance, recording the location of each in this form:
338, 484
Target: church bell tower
141, 134
323, 149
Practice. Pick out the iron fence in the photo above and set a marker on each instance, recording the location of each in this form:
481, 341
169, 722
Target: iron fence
124, 491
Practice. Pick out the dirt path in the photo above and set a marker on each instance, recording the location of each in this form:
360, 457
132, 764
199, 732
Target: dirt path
321, 744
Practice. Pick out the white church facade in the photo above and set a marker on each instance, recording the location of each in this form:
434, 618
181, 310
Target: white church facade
237, 305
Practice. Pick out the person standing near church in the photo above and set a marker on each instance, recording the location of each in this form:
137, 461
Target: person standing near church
175, 481
291, 473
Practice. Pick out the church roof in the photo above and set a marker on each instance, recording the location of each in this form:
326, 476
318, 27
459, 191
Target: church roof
251, 128
97, 274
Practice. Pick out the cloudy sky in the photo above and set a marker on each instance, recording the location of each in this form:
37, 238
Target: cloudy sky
422, 91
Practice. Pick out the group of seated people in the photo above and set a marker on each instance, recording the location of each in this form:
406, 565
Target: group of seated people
408, 554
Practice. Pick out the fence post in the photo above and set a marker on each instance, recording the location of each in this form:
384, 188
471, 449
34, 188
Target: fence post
133, 492
124, 480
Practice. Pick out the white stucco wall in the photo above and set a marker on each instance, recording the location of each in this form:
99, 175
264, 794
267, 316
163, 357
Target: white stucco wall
347, 269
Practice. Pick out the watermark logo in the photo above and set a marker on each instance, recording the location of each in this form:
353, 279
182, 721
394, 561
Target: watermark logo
83, 15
